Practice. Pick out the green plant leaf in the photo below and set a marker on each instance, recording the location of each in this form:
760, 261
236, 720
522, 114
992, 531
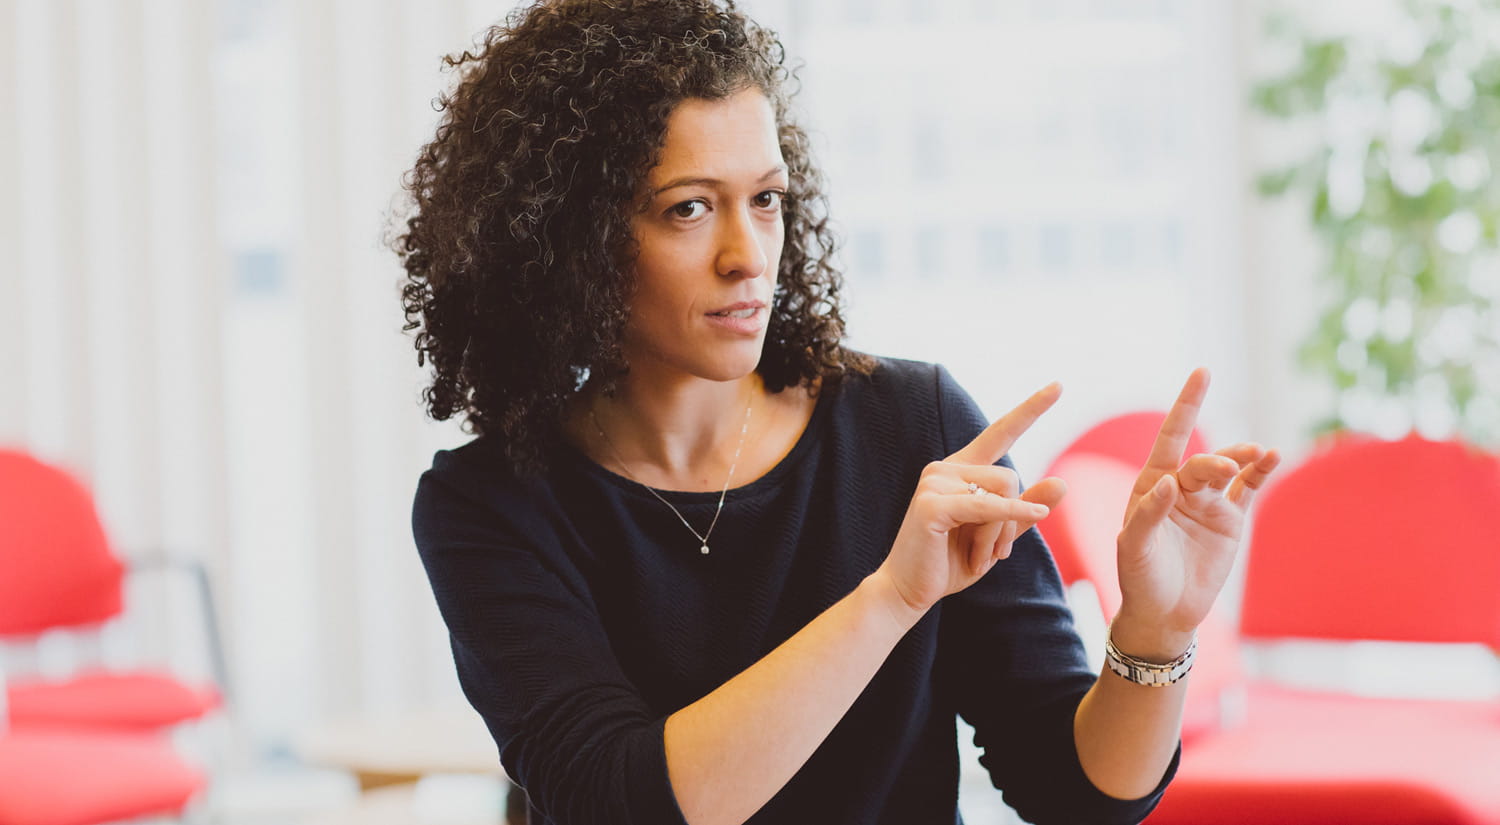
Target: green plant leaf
1277, 182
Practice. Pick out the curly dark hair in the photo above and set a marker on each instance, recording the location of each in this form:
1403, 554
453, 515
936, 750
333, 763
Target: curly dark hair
518, 244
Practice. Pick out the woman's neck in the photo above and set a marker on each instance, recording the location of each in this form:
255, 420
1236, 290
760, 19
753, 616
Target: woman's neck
682, 434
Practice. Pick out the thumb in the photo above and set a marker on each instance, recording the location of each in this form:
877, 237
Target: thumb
1150, 511
1048, 491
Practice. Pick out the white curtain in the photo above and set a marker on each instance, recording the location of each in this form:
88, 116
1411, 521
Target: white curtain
205, 323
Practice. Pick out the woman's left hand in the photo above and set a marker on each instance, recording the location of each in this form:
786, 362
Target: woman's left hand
1182, 529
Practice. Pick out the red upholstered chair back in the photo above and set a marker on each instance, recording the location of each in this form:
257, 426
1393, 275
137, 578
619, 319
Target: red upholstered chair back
1129, 437
56, 567
1379, 540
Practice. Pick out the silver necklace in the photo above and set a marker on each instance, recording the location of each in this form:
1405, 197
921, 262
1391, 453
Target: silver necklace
702, 538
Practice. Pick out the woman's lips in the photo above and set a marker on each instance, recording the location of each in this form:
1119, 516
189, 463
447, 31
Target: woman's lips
730, 321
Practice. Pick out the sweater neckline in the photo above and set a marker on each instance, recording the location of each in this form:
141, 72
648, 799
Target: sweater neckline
770, 480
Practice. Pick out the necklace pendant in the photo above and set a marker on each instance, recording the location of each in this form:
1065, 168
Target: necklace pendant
703, 547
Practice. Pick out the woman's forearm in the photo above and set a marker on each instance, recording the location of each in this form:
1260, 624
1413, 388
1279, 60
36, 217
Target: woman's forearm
731, 751
1126, 733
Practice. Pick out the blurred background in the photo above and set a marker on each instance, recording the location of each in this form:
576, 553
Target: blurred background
205, 326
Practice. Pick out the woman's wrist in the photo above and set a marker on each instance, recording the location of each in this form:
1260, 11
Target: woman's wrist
881, 589
1150, 642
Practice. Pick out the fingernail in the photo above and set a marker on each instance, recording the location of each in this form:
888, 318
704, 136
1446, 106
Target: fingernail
1163, 487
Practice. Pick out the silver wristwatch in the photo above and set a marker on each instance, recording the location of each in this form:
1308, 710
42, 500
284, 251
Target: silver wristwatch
1150, 674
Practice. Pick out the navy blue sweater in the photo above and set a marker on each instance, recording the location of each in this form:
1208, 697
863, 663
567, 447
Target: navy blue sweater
581, 614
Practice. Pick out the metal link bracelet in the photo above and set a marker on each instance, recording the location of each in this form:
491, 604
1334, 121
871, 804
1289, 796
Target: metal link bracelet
1150, 674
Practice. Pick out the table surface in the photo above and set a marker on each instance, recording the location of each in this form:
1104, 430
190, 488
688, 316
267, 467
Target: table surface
405, 805
409, 744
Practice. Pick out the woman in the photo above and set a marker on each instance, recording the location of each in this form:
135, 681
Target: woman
703, 564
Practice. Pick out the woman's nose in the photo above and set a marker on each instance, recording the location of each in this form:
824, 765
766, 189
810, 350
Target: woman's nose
742, 247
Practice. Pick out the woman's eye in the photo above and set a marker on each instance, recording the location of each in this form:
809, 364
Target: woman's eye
770, 198
685, 210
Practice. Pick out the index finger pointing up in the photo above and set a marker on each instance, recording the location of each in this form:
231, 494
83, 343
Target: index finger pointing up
997, 438
1172, 439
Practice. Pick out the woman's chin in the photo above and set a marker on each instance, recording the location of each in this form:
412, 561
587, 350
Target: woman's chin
735, 370
711, 361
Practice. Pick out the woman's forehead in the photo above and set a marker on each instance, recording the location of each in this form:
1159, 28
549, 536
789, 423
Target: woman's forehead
725, 140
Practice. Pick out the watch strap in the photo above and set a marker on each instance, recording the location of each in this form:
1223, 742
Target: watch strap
1150, 674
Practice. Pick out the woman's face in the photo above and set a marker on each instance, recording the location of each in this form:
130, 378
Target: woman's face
710, 236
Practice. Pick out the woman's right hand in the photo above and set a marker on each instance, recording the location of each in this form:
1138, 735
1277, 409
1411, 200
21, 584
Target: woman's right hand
952, 535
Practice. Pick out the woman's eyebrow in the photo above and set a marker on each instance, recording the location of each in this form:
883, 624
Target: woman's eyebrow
701, 181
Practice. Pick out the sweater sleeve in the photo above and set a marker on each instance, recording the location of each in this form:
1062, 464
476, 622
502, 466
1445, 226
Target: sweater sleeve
533, 659
1012, 661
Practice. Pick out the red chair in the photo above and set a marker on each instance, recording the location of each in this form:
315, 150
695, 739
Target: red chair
57, 571
1100, 468
71, 778
1369, 540
1390, 540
